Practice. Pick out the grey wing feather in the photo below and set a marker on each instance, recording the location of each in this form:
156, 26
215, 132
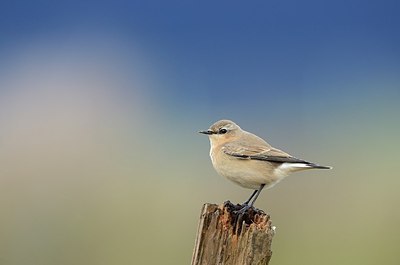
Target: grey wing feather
263, 153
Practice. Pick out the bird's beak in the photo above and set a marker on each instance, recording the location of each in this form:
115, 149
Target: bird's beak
207, 132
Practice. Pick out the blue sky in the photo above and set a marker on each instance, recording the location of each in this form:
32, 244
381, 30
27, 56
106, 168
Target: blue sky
205, 56
213, 40
259, 60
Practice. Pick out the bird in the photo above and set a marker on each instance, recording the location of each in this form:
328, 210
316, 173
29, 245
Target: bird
248, 160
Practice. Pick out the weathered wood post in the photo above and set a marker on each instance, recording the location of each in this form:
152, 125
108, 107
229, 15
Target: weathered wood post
227, 238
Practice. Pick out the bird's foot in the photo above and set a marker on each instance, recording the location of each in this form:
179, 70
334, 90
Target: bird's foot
234, 207
243, 208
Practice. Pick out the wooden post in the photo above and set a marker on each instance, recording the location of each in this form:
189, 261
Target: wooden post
227, 238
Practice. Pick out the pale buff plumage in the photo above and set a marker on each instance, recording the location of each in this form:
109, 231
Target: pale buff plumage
248, 160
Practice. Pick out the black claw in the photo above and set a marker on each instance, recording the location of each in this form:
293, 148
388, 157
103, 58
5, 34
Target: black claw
244, 208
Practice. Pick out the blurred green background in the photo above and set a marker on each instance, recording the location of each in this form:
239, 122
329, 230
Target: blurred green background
100, 104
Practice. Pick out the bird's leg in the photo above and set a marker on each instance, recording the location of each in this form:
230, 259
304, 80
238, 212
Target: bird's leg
246, 205
251, 197
258, 193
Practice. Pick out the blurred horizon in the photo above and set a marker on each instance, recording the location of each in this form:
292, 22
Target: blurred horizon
101, 102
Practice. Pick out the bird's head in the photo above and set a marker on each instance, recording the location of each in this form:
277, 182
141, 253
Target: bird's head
222, 131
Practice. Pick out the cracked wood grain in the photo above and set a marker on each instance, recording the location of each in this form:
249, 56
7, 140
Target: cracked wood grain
227, 238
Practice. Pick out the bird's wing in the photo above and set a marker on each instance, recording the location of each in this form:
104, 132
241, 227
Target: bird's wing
259, 152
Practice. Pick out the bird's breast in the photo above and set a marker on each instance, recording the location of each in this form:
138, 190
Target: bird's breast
244, 172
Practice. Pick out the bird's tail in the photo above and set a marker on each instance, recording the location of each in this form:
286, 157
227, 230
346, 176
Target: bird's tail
312, 165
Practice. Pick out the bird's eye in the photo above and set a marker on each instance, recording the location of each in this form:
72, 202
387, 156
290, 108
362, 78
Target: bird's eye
222, 131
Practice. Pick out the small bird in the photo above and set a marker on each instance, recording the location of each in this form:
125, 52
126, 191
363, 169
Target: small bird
248, 160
